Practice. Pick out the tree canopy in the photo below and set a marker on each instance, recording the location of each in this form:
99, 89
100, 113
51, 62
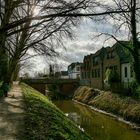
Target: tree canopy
39, 25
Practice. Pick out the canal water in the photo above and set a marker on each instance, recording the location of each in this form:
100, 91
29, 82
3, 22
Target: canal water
97, 125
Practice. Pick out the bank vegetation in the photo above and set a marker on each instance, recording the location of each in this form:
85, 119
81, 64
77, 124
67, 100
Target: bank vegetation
44, 121
123, 106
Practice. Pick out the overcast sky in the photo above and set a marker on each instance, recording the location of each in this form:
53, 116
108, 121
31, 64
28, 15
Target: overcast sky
85, 43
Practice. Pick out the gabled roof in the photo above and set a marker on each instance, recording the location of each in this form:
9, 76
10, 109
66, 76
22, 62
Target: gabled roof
100, 53
122, 52
72, 65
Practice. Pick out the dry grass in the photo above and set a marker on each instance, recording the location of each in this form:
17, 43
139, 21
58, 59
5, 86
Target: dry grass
126, 107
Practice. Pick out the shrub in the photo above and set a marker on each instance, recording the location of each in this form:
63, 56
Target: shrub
1, 93
135, 89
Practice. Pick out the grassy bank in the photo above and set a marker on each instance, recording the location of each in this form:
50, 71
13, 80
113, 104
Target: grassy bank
44, 121
126, 107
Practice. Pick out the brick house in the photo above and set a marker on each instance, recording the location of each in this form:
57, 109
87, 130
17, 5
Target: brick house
86, 70
91, 70
86, 67
95, 65
97, 68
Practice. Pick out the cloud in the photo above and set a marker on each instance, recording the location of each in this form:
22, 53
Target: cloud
86, 42
83, 44
75, 51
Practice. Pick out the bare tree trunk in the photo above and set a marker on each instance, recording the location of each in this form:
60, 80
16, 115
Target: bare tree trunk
135, 42
3, 36
10, 73
17, 54
16, 73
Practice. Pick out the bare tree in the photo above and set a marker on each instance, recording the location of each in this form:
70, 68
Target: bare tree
21, 29
38, 35
130, 21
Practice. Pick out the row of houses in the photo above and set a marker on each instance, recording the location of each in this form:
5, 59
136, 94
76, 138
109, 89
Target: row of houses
92, 71
73, 72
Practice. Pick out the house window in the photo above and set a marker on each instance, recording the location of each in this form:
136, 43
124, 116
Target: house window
98, 72
87, 65
95, 73
78, 68
95, 61
92, 73
110, 55
131, 71
111, 67
82, 75
125, 71
85, 75
115, 68
88, 74
78, 76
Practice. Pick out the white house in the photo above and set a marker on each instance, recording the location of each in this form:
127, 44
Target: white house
74, 70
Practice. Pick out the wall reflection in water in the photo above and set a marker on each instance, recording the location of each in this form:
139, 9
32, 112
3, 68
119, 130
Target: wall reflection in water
99, 126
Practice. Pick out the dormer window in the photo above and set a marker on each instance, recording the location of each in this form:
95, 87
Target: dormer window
95, 61
78, 68
110, 54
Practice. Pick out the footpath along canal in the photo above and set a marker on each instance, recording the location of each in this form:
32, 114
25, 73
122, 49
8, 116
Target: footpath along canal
98, 125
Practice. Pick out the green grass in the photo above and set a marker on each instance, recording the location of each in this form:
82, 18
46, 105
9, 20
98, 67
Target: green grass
44, 121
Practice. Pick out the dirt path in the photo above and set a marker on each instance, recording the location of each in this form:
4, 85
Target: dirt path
12, 115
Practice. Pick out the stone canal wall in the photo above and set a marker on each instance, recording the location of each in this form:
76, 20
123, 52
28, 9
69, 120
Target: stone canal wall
123, 106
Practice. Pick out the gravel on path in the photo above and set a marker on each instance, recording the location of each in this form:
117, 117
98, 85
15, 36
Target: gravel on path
12, 115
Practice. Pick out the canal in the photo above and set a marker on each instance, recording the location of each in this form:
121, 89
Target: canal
97, 125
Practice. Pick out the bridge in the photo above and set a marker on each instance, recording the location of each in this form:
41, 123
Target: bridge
49, 80
64, 86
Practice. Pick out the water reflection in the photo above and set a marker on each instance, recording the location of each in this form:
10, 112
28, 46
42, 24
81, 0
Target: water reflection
74, 116
99, 126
